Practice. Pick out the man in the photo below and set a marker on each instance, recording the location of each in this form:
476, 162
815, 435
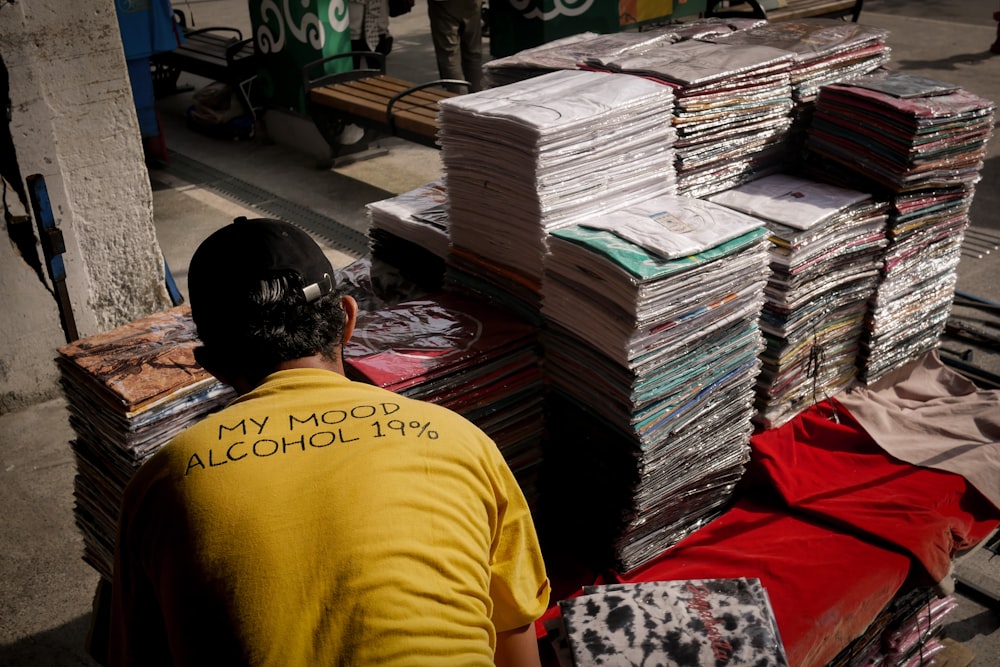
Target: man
316, 520
457, 34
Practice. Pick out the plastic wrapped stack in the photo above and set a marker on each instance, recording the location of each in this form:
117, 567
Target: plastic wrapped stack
410, 232
732, 111
827, 244
538, 155
459, 352
652, 315
129, 391
824, 51
920, 143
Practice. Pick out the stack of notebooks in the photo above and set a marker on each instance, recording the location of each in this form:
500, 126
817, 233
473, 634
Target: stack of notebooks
541, 154
652, 315
463, 354
129, 391
922, 142
827, 244
825, 51
732, 110
671, 623
410, 231
574, 51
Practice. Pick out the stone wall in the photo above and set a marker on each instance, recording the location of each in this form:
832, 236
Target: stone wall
72, 122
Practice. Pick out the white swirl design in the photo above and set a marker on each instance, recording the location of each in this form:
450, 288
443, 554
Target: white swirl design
560, 8
266, 41
310, 31
337, 15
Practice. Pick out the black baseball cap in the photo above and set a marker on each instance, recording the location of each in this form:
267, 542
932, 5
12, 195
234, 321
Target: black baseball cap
233, 260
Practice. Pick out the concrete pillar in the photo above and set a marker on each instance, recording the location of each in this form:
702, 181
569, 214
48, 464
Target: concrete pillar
72, 121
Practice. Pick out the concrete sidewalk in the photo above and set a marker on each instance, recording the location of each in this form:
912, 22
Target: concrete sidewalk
46, 589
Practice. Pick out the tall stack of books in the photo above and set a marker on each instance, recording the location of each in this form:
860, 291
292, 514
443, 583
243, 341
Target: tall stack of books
920, 143
129, 391
732, 111
652, 315
538, 155
827, 244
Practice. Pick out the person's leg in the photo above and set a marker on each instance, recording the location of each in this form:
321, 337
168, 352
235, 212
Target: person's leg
472, 43
445, 36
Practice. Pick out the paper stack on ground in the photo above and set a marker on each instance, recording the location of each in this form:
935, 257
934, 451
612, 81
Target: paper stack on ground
538, 155
920, 143
670, 623
827, 244
467, 356
652, 316
129, 391
732, 111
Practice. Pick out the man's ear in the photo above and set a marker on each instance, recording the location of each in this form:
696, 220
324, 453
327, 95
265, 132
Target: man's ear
350, 307
211, 363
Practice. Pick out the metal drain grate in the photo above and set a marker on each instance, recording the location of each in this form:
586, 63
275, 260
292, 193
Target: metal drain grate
336, 234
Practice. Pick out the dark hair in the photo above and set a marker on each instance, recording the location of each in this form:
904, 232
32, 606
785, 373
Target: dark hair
271, 324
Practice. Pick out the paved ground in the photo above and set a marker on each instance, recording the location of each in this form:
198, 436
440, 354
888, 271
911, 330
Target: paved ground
46, 589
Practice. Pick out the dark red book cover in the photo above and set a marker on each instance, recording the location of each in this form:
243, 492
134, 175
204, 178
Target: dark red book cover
421, 340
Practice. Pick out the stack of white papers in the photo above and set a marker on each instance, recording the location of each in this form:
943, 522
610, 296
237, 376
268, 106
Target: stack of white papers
652, 316
542, 154
827, 244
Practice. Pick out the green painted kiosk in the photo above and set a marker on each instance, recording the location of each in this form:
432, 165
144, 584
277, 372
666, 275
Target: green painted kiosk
291, 34
516, 25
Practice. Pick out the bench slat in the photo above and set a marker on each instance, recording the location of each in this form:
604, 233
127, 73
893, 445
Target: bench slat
366, 100
798, 9
795, 9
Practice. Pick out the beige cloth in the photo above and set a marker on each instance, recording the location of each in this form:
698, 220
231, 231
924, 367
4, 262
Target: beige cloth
929, 415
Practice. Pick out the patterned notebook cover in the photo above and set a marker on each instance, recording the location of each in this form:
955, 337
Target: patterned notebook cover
723, 622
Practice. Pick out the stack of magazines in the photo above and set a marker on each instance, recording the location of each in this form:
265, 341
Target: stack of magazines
463, 354
574, 51
825, 50
671, 623
129, 391
922, 142
652, 316
410, 231
541, 154
732, 110
827, 244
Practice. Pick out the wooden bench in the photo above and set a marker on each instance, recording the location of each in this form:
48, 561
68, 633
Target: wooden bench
794, 9
216, 53
368, 97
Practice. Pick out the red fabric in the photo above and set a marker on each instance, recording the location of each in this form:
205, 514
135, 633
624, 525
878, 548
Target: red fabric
832, 470
828, 522
825, 586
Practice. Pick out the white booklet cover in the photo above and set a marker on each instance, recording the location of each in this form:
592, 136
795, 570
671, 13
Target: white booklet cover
674, 226
790, 200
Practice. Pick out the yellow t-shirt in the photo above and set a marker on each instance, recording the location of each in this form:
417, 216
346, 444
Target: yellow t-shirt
320, 521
